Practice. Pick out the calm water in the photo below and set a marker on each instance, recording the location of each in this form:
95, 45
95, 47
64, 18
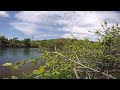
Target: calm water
14, 55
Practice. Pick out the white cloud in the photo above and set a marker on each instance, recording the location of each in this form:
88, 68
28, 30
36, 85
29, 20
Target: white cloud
4, 14
26, 28
63, 23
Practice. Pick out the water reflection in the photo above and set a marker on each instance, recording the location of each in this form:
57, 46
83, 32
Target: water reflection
26, 52
15, 55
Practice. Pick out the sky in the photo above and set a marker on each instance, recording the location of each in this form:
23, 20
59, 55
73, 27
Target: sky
55, 24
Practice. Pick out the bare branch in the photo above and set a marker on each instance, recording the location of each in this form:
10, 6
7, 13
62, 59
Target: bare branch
110, 76
76, 73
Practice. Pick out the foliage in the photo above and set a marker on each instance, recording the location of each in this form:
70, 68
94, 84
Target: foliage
14, 43
78, 59
7, 64
27, 42
14, 77
39, 71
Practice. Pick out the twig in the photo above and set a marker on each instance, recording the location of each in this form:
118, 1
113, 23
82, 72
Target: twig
38, 76
108, 73
24, 74
77, 57
55, 48
76, 73
88, 75
86, 66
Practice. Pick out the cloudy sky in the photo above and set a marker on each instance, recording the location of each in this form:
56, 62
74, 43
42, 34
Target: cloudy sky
54, 24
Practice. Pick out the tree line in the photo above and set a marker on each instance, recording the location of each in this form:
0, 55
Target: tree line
14, 42
48, 44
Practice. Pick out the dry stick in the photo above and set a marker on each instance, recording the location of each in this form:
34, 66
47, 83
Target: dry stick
76, 73
38, 76
77, 57
80, 62
88, 75
86, 66
108, 73
55, 48
22, 73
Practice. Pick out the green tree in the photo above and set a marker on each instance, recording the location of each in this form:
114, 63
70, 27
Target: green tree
4, 41
27, 42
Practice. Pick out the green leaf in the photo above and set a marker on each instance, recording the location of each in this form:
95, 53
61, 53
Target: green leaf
15, 67
48, 64
36, 72
46, 74
14, 77
56, 72
41, 69
7, 64
53, 61
44, 66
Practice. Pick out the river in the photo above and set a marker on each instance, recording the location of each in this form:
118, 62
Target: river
14, 55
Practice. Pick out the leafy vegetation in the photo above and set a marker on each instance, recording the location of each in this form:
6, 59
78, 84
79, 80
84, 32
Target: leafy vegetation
78, 59
14, 43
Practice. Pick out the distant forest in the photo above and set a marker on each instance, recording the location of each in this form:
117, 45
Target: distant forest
28, 43
14, 42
